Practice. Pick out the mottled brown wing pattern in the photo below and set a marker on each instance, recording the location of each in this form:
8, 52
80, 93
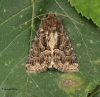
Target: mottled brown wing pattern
51, 48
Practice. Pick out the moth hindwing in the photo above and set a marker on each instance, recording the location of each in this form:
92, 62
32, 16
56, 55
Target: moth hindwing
51, 48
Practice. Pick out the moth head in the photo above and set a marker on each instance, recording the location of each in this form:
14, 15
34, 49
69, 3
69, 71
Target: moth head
50, 14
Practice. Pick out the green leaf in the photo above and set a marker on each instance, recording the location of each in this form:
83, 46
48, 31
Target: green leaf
18, 26
88, 8
96, 92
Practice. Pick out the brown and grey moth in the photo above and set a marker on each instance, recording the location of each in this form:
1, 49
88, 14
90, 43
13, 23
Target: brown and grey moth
51, 48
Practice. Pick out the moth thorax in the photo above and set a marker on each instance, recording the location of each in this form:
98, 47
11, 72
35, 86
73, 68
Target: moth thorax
52, 40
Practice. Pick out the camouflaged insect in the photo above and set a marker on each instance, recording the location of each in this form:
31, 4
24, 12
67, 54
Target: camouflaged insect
51, 48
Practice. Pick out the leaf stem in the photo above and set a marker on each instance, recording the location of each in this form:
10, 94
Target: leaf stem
32, 23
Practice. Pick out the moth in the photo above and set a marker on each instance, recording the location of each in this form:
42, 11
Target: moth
51, 48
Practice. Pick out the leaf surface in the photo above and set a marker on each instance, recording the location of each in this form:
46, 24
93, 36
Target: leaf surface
90, 9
